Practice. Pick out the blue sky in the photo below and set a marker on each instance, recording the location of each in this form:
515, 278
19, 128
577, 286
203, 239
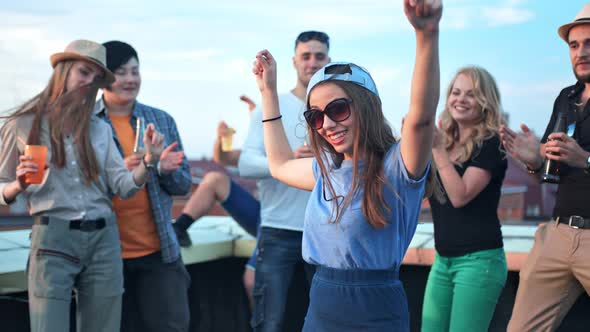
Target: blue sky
196, 56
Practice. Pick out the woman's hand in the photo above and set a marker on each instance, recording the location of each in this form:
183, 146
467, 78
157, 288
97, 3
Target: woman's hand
424, 15
265, 70
132, 161
438, 138
25, 165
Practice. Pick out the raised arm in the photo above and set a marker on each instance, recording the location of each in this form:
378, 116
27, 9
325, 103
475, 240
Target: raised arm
418, 130
297, 173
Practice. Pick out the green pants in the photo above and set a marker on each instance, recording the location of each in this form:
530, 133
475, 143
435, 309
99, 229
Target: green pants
461, 292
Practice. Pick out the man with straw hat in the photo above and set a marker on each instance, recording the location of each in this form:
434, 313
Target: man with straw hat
557, 270
74, 242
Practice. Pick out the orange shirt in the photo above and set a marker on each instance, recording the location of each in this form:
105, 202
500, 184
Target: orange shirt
137, 229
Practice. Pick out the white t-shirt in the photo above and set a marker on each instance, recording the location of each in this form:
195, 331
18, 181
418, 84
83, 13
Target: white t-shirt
281, 206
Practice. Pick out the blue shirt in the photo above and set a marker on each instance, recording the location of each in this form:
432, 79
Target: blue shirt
352, 243
160, 187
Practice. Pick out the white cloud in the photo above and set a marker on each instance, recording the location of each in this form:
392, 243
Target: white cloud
196, 56
533, 89
462, 14
184, 55
506, 16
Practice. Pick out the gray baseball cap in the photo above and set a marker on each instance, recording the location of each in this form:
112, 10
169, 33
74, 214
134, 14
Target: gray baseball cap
343, 71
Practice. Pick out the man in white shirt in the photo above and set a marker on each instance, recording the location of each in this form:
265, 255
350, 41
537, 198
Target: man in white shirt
282, 207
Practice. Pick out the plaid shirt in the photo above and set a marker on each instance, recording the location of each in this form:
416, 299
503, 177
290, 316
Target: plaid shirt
160, 187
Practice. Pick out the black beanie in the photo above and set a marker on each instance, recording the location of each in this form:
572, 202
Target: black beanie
118, 54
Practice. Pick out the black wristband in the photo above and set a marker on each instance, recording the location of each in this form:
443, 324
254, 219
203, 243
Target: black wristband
272, 119
148, 166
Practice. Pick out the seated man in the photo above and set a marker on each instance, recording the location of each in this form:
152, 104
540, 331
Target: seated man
218, 187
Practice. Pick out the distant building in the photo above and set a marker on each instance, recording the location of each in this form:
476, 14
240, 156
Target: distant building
523, 198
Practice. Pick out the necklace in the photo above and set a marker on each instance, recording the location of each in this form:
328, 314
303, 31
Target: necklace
580, 105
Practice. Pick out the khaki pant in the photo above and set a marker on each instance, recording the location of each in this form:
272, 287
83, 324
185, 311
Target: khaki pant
556, 273
62, 260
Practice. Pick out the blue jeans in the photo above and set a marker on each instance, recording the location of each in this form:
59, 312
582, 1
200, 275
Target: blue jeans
357, 300
89, 262
279, 251
156, 295
245, 210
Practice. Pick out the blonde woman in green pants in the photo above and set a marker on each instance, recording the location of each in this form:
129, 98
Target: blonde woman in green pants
469, 271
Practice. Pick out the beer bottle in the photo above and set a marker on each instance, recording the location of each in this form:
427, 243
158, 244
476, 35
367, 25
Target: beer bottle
551, 167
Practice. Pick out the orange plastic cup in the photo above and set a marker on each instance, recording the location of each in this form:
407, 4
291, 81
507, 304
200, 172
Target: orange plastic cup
39, 153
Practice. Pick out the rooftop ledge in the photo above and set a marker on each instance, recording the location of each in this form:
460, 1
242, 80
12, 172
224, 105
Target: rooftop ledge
216, 237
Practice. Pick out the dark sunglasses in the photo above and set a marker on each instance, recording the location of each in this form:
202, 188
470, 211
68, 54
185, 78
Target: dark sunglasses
337, 110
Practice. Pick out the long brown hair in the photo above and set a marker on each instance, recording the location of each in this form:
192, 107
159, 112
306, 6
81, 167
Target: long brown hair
63, 109
490, 118
372, 139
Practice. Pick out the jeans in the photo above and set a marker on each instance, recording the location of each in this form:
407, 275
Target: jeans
462, 292
156, 295
279, 251
89, 262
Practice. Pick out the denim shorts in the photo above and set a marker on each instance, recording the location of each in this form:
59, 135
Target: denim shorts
243, 207
245, 210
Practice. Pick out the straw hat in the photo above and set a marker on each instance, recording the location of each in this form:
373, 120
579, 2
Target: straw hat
583, 17
85, 50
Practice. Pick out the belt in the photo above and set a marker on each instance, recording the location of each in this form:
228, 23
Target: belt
84, 225
575, 221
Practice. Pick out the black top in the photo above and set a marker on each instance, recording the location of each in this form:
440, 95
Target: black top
574, 185
475, 226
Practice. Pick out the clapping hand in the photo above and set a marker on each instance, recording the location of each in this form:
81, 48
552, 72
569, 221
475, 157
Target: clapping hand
154, 144
524, 147
438, 139
170, 160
